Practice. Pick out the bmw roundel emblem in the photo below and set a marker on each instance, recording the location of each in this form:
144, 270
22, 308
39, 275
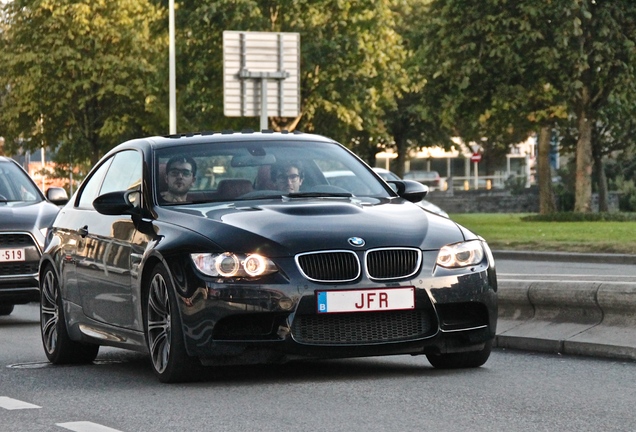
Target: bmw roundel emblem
356, 241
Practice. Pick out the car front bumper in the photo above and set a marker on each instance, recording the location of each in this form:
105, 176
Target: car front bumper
244, 324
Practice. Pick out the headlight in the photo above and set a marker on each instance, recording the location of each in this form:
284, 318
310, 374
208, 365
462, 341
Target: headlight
231, 265
461, 254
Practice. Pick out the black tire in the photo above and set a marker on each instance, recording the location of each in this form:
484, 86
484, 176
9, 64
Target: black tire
58, 346
164, 332
6, 309
472, 359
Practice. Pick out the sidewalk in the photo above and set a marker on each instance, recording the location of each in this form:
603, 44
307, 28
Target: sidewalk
596, 319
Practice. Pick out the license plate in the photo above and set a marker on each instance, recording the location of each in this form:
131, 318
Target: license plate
10, 255
370, 300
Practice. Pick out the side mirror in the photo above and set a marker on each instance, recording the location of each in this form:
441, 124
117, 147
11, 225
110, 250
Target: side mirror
57, 195
117, 203
410, 190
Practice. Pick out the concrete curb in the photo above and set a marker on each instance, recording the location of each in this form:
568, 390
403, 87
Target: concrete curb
565, 257
580, 318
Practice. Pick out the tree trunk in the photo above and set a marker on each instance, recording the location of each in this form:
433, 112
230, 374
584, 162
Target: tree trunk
601, 178
546, 195
583, 187
400, 160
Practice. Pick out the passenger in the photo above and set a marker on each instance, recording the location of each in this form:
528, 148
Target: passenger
288, 177
180, 175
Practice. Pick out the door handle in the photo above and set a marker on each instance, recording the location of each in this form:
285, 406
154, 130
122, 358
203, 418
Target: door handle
83, 231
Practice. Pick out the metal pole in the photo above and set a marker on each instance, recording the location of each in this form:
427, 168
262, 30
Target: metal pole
449, 175
281, 66
243, 70
43, 169
70, 179
263, 103
172, 71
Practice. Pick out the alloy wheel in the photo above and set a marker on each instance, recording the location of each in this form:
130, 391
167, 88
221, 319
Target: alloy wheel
50, 311
159, 319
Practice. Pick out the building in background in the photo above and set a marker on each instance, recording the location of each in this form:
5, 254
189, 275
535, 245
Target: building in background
460, 166
41, 173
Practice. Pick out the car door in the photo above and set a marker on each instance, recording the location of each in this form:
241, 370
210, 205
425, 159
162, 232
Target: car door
104, 252
70, 229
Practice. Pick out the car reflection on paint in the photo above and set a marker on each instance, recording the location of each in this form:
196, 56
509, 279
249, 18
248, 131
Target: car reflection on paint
241, 272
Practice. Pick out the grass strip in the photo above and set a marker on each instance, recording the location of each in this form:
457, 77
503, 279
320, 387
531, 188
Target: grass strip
517, 231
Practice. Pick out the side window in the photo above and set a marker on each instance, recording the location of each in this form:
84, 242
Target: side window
124, 173
94, 183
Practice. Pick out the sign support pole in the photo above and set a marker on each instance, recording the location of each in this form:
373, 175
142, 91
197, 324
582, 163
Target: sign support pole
264, 119
172, 68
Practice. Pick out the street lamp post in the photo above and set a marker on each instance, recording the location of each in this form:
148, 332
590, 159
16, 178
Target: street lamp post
172, 70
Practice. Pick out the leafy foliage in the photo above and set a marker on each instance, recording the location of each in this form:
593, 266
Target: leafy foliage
517, 66
351, 62
83, 75
78, 73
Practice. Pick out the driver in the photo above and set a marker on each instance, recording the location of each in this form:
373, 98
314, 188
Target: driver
180, 175
288, 177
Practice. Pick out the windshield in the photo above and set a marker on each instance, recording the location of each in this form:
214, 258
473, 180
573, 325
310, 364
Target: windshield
16, 185
254, 170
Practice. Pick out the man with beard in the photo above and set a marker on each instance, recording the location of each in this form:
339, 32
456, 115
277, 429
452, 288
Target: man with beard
180, 175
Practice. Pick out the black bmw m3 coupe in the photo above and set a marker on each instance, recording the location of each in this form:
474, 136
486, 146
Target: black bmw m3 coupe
234, 248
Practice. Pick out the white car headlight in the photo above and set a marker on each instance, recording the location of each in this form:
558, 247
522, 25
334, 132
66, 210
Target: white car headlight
462, 254
231, 265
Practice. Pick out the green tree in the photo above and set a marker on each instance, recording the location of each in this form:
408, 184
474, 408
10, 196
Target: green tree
514, 67
412, 117
489, 60
351, 63
613, 134
76, 73
599, 40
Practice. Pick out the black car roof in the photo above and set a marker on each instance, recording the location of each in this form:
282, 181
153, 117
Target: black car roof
152, 143
229, 136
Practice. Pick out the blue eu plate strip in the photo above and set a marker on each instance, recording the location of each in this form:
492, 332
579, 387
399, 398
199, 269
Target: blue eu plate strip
322, 302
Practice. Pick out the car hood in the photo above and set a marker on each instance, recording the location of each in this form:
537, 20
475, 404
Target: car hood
302, 225
31, 217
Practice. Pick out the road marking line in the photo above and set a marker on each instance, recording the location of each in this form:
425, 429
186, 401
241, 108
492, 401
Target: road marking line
85, 426
14, 404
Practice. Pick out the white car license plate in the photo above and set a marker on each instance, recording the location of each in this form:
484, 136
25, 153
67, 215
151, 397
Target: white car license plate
10, 255
366, 300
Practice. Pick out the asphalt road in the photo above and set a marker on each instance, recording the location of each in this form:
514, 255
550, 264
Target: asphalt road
514, 391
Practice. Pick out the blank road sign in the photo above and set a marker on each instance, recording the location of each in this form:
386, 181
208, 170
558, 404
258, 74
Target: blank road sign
253, 58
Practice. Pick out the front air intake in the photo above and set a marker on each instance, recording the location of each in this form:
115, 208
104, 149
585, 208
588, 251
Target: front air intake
393, 263
329, 266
